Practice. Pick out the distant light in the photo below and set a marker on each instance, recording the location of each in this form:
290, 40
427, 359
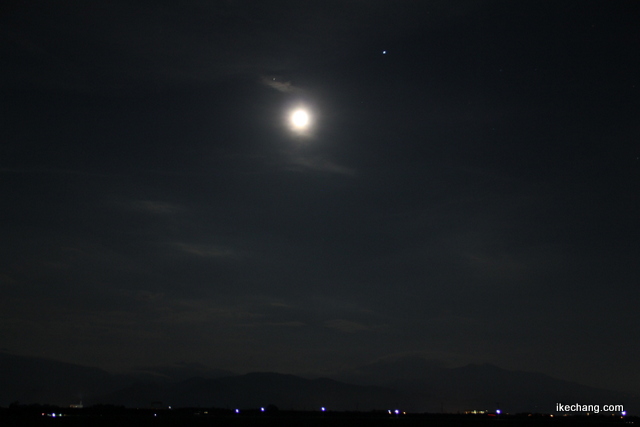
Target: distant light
262, 409
323, 409
498, 411
397, 411
623, 413
389, 410
53, 415
237, 411
384, 52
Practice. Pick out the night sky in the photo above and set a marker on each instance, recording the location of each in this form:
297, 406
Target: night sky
467, 189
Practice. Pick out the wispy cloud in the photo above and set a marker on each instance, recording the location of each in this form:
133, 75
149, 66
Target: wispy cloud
346, 326
320, 164
291, 324
280, 85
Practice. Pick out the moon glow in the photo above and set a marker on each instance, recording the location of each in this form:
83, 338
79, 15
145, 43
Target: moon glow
300, 119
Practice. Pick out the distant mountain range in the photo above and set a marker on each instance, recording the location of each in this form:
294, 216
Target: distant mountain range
37, 380
33, 380
257, 390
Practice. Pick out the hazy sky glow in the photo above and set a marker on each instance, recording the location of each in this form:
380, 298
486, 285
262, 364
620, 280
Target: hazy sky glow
467, 189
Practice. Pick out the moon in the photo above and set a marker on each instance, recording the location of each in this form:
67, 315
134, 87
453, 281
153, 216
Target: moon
299, 119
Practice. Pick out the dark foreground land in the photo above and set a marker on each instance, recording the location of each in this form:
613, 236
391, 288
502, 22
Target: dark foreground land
121, 417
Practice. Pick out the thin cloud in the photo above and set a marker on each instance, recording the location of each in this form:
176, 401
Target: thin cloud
279, 85
346, 326
291, 324
320, 165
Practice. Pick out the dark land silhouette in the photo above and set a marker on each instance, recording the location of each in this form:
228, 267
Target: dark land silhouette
28, 381
109, 415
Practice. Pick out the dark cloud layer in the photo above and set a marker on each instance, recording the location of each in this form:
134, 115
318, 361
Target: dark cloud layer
470, 196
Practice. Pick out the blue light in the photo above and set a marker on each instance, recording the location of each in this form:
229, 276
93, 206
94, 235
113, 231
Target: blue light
498, 411
323, 409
